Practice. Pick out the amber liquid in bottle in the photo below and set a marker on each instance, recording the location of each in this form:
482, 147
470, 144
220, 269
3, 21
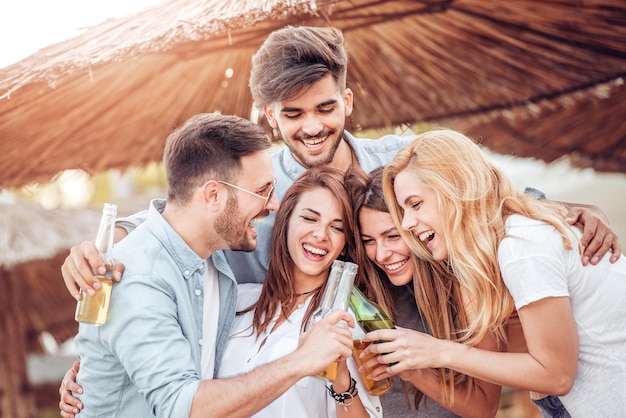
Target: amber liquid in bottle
95, 309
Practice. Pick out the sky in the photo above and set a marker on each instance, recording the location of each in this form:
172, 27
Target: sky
28, 25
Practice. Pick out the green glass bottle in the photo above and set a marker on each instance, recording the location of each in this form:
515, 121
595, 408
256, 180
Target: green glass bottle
370, 316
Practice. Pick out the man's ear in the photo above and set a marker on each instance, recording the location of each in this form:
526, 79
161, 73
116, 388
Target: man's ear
348, 98
211, 193
269, 115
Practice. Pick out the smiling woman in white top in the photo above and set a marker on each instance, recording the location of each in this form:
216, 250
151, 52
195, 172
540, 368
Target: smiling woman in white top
312, 229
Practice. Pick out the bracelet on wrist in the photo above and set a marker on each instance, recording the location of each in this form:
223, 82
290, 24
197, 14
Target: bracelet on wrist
344, 399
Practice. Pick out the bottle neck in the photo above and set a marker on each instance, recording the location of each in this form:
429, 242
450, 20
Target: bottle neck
106, 233
330, 290
338, 289
342, 299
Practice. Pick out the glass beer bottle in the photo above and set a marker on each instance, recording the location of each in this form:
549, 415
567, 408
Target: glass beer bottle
369, 316
95, 309
336, 296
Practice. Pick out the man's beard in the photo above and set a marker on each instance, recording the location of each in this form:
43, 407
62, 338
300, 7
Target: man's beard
231, 227
306, 161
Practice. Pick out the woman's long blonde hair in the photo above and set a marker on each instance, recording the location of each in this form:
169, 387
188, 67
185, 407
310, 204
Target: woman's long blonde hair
475, 199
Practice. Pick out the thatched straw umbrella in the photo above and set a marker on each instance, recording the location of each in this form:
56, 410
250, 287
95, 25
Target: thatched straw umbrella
529, 76
33, 245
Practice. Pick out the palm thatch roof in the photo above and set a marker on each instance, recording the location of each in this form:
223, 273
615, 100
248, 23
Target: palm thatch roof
530, 77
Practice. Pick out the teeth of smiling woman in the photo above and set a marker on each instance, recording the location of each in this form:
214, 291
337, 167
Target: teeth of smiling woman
395, 266
425, 235
314, 250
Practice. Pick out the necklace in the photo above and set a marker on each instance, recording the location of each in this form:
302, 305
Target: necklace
309, 292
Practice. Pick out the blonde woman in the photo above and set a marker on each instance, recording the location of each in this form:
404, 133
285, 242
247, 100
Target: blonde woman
507, 252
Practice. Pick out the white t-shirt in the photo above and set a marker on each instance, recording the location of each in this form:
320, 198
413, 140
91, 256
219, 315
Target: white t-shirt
534, 266
210, 317
308, 398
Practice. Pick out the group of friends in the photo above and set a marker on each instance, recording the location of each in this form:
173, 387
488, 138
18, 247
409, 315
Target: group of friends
487, 286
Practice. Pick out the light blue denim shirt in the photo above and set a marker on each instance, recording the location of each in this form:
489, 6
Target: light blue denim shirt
145, 361
371, 154
252, 267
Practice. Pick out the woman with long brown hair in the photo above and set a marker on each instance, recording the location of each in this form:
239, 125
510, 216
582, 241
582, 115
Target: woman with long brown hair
313, 227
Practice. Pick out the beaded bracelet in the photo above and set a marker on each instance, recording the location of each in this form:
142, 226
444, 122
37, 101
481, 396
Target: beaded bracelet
341, 398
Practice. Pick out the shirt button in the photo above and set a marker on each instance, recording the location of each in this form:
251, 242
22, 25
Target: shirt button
200, 342
186, 272
198, 292
201, 266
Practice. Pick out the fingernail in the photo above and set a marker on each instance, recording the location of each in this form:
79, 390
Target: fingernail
97, 285
595, 260
585, 260
91, 292
102, 270
77, 297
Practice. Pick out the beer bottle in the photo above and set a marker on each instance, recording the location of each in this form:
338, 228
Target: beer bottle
328, 297
95, 309
369, 316
336, 296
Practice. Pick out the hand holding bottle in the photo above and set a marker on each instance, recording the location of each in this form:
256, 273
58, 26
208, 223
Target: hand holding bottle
94, 309
336, 296
81, 263
325, 343
401, 351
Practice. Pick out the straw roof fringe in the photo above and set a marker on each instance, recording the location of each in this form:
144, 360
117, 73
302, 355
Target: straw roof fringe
551, 128
157, 29
544, 79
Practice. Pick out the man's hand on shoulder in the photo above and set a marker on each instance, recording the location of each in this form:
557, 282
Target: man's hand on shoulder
598, 237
